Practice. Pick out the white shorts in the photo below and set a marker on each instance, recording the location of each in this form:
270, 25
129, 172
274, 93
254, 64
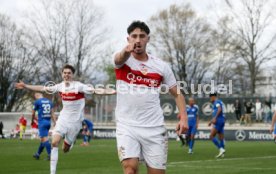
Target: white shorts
67, 130
145, 143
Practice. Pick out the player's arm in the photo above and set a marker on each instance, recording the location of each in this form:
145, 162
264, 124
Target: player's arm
214, 120
218, 112
53, 116
122, 56
22, 85
35, 107
197, 117
273, 122
182, 125
102, 91
88, 132
197, 121
89, 89
33, 116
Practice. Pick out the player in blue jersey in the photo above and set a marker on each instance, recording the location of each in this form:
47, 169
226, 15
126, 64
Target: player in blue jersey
218, 122
273, 126
87, 132
44, 109
193, 120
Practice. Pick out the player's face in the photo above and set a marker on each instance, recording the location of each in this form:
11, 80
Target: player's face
140, 38
191, 101
37, 95
213, 98
67, 75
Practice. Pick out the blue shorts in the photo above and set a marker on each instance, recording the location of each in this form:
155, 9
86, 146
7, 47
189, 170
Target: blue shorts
219, 126
192, 129
275, 129
44, 128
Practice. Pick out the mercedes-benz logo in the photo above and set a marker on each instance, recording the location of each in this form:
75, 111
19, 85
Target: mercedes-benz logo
240, 135
207, 108
167, 109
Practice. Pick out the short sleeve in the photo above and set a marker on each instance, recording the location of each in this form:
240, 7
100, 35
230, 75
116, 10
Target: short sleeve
54, 88
84, 88
113, 61
218, 104
168, 77
196, 109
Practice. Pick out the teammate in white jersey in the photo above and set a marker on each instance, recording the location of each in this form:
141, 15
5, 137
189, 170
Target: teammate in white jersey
141, 134
70, 119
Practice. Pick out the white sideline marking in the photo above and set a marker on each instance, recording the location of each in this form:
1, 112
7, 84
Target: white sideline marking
221, 167
227, 159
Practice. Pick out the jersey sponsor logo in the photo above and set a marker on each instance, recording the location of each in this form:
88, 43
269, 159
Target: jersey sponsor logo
191, 115
71, 96
128, 75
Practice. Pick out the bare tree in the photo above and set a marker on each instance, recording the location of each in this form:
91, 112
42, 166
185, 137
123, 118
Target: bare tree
226, 65
88, 36
67, 32
49, 23
249, 26
181, 37
16, 63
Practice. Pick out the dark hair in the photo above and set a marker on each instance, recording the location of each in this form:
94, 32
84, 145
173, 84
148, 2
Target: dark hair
69, 67
138, 24
213, 94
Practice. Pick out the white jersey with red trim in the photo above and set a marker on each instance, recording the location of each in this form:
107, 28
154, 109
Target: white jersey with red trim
73, 100
138, 86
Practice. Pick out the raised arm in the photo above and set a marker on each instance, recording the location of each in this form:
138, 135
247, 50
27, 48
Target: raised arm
102, 91
22, 85
122, 56
182, 125
98, 90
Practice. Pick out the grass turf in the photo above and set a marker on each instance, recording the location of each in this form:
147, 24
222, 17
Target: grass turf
101, 158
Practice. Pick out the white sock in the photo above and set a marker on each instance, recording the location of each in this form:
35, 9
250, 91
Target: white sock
54, 160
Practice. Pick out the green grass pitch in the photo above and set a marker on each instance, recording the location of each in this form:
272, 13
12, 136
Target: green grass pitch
101, 158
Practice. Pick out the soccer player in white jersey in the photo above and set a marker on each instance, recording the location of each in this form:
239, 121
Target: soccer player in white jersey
71, 116
140, 130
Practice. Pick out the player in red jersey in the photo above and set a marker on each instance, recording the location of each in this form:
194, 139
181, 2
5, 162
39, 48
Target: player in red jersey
22, 123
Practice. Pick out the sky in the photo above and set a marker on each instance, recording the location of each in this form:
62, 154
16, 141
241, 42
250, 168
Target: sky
118, 14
